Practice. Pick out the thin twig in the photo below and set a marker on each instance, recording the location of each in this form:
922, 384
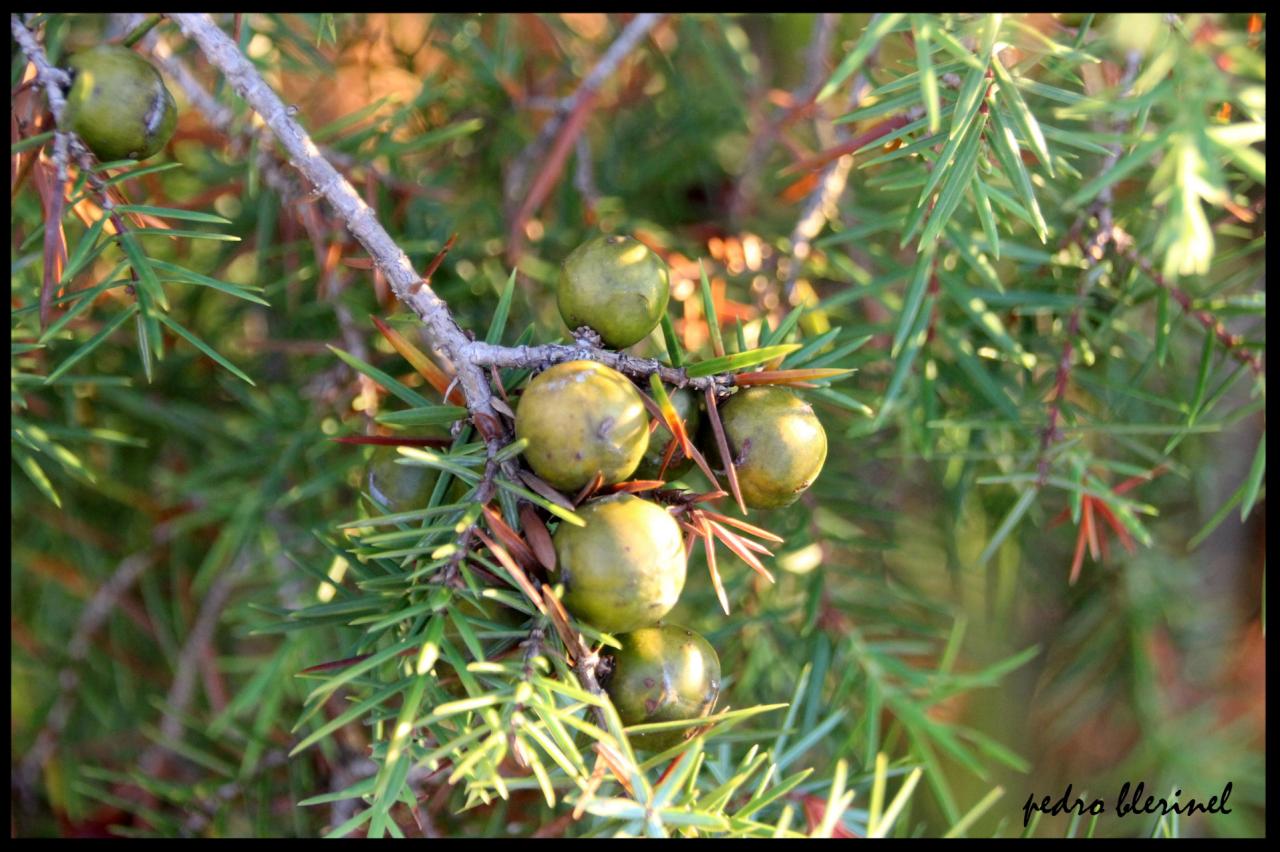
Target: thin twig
564, 107
532, 648
583, 178
820, 206
55, 242
802, 98
485, 491
1233, 343
91, 619
219, 116
140, 30
1094, 253
182, 690
488, 354
360, 220
587, 666
561, 131
52, 80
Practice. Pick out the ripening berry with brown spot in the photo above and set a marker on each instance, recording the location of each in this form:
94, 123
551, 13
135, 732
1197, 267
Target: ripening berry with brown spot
626, 568
616, 286
580, 418
118, 104
777, 442
664, 673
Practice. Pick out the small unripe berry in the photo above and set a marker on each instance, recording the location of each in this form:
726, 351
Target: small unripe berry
396, 487
581, 418
615, 286
626, 568
118, 104
663, 673
777, 442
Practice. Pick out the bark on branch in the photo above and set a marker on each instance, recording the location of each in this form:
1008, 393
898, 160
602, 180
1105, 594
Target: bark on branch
52, 80
467, 356
488, 354
306, 157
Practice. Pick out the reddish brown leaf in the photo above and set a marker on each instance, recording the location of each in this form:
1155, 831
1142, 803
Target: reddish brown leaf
487, 425
799, 188
517, 574
691, 535
1121, 531
1134, 481
722, 443
560, 620
513, 541
426, 368
791, 378
820, 160
670, 766
708, 545
333, 256
698, 458
589, 489
535, 531
702, 464
756, 531
815, 811
1090, 528
739, 546
633, 487
593, 784
1077, 561
675, 425
667, 456
616, 766
88, 213
497, 382
753, 546
55, 240
351, 661
539, 486
552, 166
435, 261
20, 164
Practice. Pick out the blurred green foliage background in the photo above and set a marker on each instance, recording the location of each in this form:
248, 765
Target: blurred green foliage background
921, 610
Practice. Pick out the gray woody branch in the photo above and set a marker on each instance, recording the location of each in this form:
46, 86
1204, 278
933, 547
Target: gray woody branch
52, 80
405, 282
488, 354
468, 356
637, 29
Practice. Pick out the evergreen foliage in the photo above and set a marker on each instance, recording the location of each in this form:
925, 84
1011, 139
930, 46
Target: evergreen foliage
1015, 263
